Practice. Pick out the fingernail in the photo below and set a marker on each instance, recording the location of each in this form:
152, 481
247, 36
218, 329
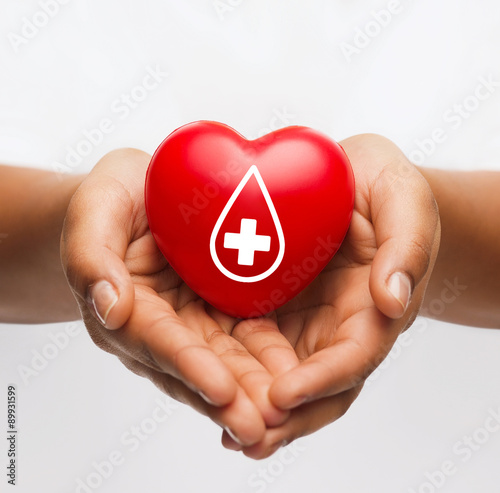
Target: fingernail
235, 447
207, 399
233, 436
399, 286
103, 298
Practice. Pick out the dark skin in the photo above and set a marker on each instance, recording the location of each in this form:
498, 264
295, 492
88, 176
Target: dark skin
469, 203
33, 205
269, 380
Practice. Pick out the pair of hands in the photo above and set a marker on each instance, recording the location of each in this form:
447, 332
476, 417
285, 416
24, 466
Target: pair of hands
271, 380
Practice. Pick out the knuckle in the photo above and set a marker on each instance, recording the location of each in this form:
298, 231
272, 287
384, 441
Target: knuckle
272, 348
216, 337
99, 339
253, 326
420, 247
74, 263
426, 197
148, 358
234, 352
251, 375
344, 407
166, 386
134, 366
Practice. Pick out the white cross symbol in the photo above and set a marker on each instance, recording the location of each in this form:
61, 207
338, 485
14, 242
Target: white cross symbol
247, 242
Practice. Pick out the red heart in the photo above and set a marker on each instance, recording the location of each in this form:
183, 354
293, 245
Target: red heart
248, 224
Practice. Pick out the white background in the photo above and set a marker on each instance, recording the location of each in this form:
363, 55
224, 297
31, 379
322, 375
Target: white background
260, 58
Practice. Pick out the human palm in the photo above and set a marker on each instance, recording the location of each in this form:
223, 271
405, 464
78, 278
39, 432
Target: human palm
163, 330
346, 321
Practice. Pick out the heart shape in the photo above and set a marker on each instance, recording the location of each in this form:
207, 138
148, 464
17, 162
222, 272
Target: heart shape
248, 224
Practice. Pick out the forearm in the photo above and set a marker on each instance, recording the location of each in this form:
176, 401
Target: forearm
33, 204
465, 284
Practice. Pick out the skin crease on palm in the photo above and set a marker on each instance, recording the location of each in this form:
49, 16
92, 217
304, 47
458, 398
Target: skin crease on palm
266, 381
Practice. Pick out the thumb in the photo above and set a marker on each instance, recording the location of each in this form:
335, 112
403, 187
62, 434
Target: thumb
407, 230
97, 231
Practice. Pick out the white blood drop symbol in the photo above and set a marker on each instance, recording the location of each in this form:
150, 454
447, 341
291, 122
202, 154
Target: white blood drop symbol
244, 224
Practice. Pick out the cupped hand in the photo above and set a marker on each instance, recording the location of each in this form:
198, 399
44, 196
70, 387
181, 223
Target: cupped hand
137, 308
266, 381
345, 322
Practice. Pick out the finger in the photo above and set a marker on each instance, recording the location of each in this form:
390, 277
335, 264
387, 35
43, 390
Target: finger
360, 344
262, 338
256, 382
240, 419
229, 443
99, 225
251, 375
406, 225
158, 338
397, 199
303, 421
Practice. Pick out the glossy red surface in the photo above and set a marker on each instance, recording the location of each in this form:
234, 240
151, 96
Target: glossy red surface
248, 224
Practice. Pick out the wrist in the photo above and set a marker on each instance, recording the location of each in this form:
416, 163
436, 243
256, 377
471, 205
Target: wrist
465, 284
53, 196
33, 204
